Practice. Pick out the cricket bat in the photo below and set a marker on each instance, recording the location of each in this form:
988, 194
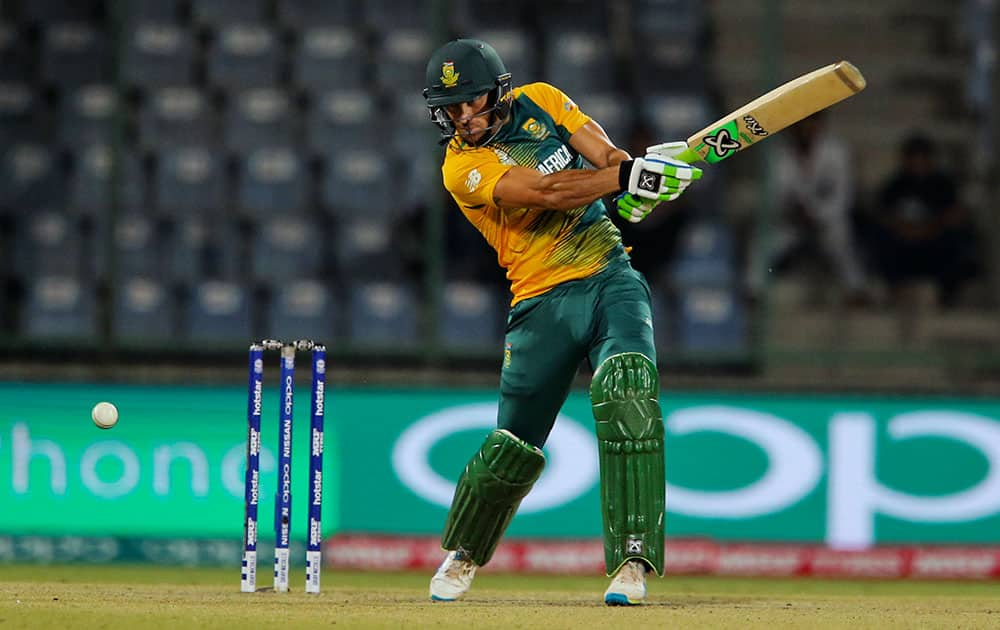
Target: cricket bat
772, 112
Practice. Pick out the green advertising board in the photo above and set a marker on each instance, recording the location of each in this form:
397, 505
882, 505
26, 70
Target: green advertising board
172, 467
849, 471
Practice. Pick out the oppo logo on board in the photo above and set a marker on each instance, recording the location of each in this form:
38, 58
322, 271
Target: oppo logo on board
796, 466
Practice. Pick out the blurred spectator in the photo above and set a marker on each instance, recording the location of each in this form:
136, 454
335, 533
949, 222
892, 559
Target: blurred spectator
921, 231
815, 193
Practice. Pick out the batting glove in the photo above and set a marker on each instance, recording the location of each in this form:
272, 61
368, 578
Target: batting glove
633, 209
656, 176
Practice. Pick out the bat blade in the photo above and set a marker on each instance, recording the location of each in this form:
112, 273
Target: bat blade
772, 112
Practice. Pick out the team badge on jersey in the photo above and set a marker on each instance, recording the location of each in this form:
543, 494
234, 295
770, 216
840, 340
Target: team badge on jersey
449, 78
535, 128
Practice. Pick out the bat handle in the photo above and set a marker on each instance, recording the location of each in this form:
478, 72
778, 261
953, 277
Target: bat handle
688, 155
677, 150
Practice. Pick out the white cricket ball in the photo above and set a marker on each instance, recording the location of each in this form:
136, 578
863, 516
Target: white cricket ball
105, 415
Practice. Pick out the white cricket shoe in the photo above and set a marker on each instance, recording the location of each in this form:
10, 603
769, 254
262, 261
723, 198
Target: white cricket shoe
453, 577
628, 588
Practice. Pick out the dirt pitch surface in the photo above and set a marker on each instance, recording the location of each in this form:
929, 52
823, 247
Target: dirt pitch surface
159, 597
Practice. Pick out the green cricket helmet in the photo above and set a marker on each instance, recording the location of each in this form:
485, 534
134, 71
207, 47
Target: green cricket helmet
463, 70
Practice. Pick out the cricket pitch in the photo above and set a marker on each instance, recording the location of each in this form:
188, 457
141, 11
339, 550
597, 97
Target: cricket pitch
171, 597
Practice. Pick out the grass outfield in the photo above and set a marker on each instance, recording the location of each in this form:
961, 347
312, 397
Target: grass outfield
159, 597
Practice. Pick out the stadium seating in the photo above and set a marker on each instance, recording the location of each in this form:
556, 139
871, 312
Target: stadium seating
516, 49
608, 108
401, 60
239, 119
302, 309
243, 56
144, 312
217, 14
580, 62
709, 314
272, 180
707, 256
666, 19
73, 54
20, 118
471, 316
574, 15
159, 54
137, 246
38, 12
670, 32
386, 15
16, 59
675, 114
710, 319
363, 249
302, 14
663, 328
136, 243
190, 180
177, 116
202, 247
383, 314
356, 183
87, 116
414, 134
328, 57
59, 308
286, 247
187, 258
259, 118
90, 181
47, 243
29, 177
152, 10
475, 16
412, 129
225, 251
342, 120
218, 313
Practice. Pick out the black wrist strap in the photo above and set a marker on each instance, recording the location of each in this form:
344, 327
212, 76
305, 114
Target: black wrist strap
624, 174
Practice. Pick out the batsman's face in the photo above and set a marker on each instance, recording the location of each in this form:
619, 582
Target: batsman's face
469, 118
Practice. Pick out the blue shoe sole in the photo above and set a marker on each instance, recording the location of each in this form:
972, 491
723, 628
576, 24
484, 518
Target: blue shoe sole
435, 598
617, 599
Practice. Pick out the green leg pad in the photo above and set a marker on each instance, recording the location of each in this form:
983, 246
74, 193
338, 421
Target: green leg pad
624, 394
488, 493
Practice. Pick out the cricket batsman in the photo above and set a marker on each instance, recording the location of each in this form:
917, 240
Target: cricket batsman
515, 165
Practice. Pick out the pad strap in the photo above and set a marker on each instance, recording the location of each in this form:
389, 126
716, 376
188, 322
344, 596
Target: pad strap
624, 394
488, 494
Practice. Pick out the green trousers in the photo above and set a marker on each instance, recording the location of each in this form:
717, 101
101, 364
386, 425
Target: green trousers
548, 336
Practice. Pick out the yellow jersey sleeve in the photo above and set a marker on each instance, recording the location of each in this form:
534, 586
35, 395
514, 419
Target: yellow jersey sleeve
471, 175
554, 101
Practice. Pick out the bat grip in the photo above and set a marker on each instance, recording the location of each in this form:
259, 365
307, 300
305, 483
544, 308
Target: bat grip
688, 155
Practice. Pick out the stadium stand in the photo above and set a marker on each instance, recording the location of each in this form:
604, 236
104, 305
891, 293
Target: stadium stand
383, 314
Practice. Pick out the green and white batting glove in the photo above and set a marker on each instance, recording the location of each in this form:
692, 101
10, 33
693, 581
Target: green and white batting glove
658, 176
634, 209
